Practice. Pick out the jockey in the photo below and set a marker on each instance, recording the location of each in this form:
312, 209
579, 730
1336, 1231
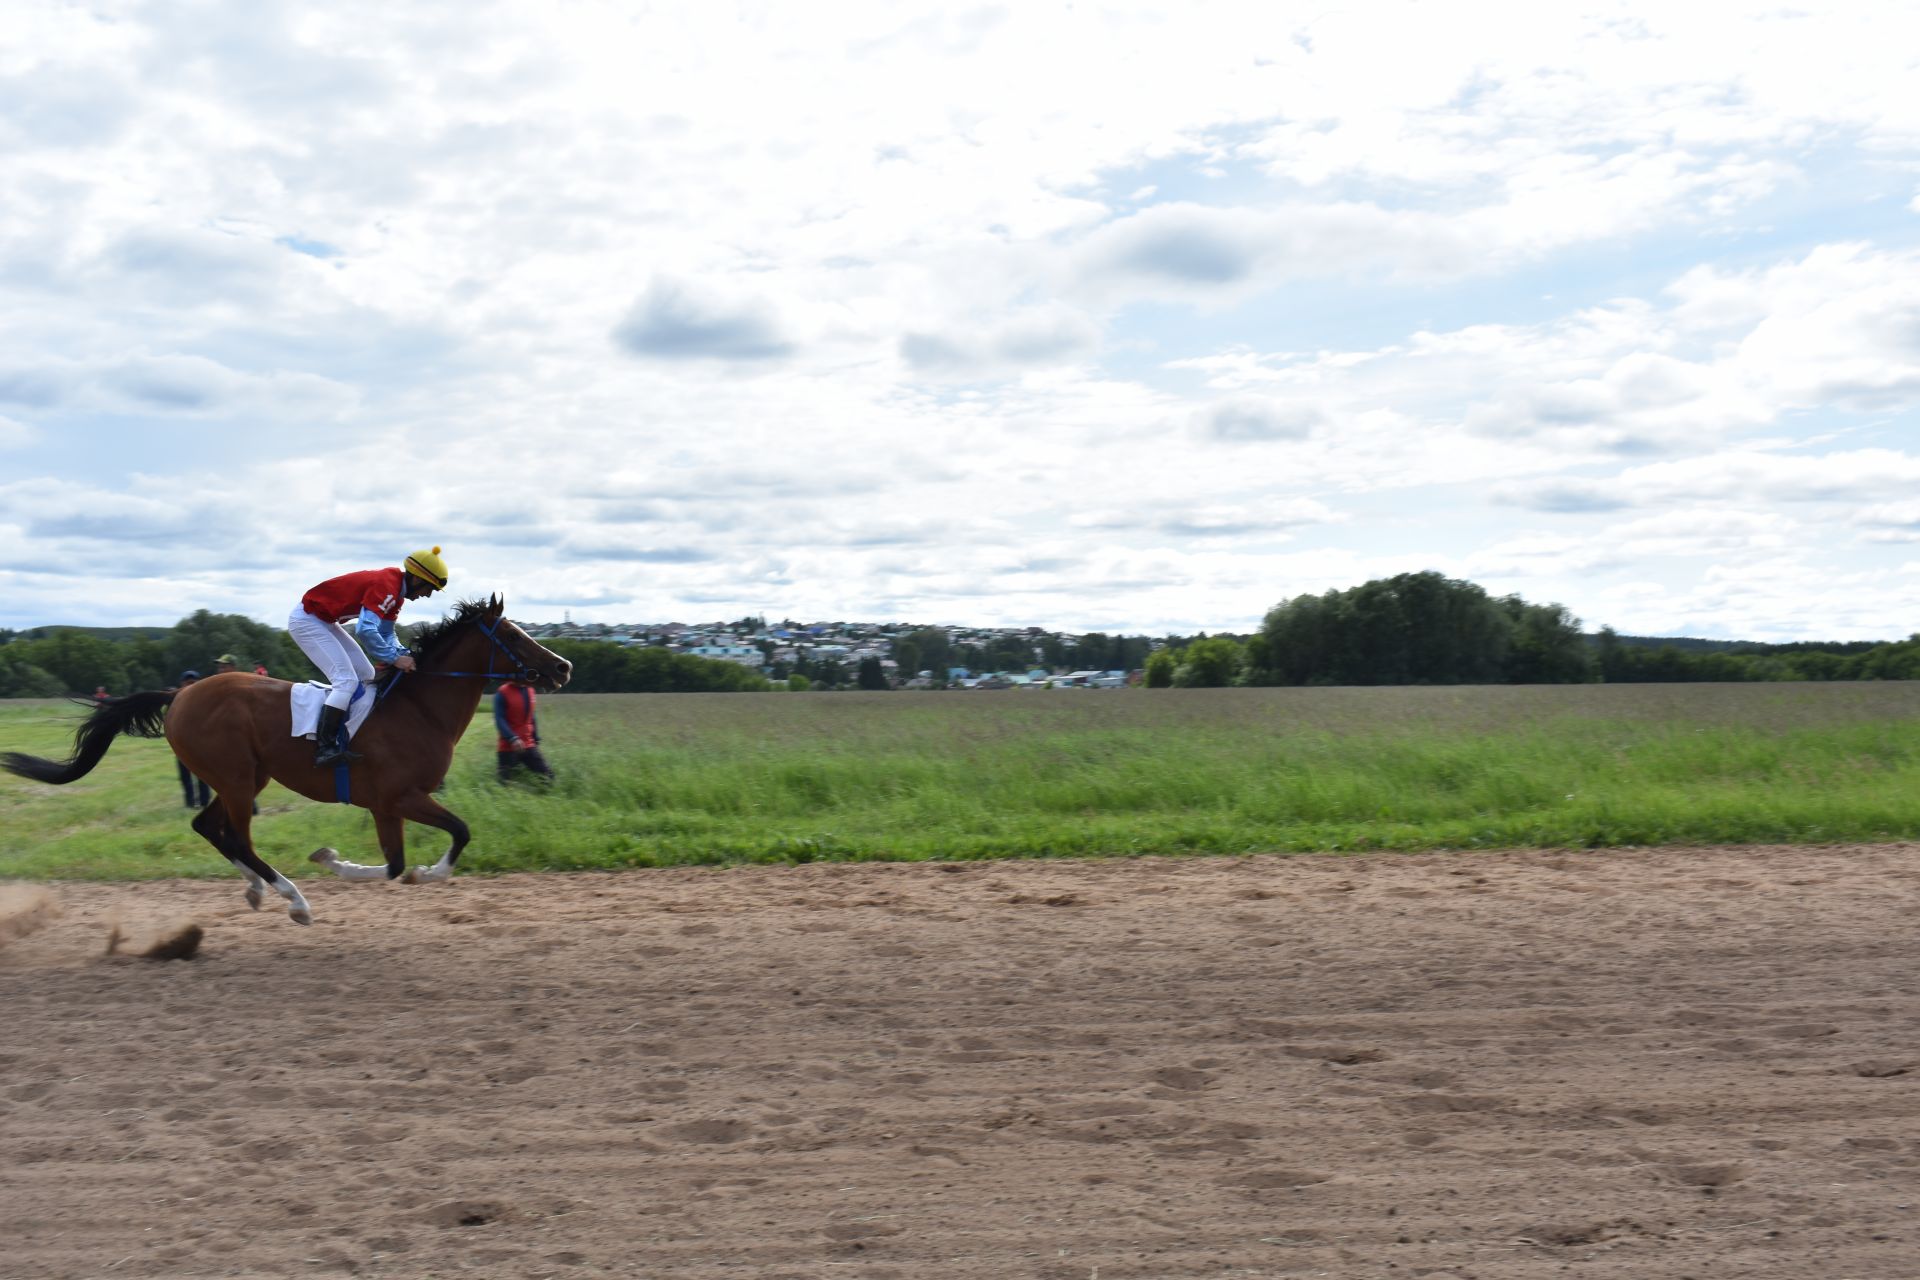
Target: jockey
372, 598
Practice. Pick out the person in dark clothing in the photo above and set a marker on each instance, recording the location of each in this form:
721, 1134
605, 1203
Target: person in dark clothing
513, 720
188, 783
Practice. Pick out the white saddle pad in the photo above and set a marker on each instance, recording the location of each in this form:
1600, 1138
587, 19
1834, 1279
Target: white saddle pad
308, 698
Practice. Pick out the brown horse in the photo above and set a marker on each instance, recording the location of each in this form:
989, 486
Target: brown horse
235, 731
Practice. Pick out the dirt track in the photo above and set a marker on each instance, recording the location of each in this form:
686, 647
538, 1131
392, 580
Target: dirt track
1633, 1064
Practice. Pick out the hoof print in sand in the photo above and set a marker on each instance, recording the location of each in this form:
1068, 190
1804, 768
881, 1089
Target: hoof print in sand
468, 1213
1880, 1070
1338, 1054
709, 1131
1431, 1103
1274, 1179
1183, 1079
1704, 1175
1564, 1235
848, 1231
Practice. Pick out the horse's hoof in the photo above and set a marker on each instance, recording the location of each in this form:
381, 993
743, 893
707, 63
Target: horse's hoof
325, 857
300, 917
255, 897
410, 876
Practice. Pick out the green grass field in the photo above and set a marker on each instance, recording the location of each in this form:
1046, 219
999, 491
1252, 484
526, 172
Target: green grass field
662, 780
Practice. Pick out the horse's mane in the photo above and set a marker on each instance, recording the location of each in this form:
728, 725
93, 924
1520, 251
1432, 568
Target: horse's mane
431, 637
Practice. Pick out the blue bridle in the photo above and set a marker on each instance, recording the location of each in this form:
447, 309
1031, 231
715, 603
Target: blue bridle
521, 671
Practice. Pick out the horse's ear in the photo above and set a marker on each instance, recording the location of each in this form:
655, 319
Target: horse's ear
495, 605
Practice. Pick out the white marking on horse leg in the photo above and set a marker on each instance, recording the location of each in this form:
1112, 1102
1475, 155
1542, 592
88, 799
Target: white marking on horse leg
439, 872
346, 870
256, 889
297, 909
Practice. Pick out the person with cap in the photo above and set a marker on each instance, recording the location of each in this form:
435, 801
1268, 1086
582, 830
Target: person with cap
371, 600
224, 663
188, 783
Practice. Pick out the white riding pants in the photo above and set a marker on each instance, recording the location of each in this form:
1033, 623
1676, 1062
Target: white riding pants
337, 654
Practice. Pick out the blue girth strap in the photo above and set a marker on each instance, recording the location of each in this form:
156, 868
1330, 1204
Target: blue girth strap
342, 790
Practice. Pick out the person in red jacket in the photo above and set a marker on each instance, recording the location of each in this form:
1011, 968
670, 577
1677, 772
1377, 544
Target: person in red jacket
371, 599
519, 731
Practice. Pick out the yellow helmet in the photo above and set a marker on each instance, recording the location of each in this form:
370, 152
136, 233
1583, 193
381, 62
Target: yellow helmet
428, 567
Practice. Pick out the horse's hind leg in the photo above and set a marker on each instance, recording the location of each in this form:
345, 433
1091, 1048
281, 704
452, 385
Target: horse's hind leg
239, 821
392, 833
211, 825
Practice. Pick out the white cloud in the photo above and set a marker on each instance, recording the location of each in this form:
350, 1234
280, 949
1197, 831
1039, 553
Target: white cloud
1260, 518
1196, 252
1890, 521
1246, 417
674, 320
1037, 337
1851, 476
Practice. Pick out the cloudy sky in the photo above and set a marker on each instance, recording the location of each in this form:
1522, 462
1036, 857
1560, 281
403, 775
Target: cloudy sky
1120, 317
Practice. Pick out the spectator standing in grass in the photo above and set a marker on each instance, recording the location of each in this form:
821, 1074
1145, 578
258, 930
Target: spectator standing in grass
513, 720
188, 783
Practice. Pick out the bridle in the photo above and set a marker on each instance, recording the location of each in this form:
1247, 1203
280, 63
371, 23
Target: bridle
521, 671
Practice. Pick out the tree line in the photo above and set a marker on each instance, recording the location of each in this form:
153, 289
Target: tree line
1425, 628
603, 667
1415, 628
48, 662
1625, 659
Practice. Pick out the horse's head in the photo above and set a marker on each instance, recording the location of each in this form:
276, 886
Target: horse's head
477, 639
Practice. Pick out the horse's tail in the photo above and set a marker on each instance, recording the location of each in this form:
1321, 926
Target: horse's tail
138, 715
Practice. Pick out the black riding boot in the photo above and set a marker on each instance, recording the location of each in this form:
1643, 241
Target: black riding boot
329, 740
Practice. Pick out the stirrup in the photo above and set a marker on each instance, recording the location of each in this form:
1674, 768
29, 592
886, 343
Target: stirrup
330, 739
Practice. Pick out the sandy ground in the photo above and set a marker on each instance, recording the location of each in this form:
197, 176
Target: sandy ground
1698, 1063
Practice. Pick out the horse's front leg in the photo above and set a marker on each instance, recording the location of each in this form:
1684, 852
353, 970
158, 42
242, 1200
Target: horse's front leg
392, 834
421, 807
211, 824
236, 841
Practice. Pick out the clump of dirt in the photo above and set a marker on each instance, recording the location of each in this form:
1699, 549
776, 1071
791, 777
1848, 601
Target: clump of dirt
182, 944
25, 909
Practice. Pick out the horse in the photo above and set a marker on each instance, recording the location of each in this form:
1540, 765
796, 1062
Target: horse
235, 731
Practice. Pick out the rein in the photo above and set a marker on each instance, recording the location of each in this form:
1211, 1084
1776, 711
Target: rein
521, 671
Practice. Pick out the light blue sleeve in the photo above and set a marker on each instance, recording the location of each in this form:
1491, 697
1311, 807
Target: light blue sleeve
376, 633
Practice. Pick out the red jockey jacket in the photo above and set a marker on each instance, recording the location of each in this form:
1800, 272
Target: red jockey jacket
341, 598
